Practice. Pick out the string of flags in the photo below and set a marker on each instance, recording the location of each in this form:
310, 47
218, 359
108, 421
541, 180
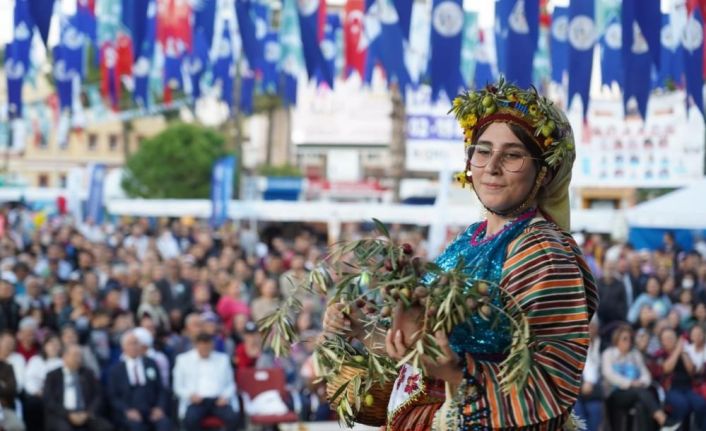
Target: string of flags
151, 49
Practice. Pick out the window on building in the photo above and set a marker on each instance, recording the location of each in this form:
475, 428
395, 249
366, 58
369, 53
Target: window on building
43, 180
113, 141
92, 142
62, 181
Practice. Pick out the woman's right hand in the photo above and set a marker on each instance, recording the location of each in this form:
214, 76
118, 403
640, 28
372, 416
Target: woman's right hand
337, 321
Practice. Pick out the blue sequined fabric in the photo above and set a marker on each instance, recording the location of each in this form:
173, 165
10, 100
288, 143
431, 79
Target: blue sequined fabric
482, 261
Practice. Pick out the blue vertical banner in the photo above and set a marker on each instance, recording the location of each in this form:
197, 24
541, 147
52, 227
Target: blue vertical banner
204, 20
41, 11
522, 35
94, 204
693, 43
385, 42
221, 189
308, 11
559, 43
195, 63
248, 33
271, 56
612, 54
15, 72
637, 67
582, 38
223, 68
503, 8
404, 12
484, 68
446, 39
671, 65
247, 93
144, 55
468, 46
22, 34
332, 31
648, 16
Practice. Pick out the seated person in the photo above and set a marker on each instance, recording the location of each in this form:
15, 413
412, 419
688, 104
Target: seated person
138, 398
205, 385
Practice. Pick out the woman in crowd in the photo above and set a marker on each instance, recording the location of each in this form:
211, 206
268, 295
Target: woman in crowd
37, 369
653, 298
626, 382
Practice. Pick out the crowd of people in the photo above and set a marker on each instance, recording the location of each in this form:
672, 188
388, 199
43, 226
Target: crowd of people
141, 324
647, 357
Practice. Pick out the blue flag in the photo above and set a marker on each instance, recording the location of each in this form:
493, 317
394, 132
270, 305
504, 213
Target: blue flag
523, 32
247, 93
671, 66
649, 17
204, 19
196, 62
404, 11
94, 204
144, 57
329, 46
693, 42
637, 69
41, 11
559, 46
86, 20
308, 11
385, 43
612, 54
248, 33
446, 38
174, 53
503, 8
221, 189
22, 34
271, 55
288, 89
15, 72
134, 17
223, 68
582, 38
484, 68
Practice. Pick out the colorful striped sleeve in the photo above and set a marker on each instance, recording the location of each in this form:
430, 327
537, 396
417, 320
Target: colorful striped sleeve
549, 280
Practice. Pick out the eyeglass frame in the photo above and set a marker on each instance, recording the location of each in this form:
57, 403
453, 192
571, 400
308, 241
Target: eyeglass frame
472, 148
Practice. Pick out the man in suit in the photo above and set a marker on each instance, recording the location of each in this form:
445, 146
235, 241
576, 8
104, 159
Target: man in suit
175, 290
72, 396
137, 396
9, 421
205, 385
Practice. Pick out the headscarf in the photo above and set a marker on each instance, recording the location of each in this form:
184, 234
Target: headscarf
552, 136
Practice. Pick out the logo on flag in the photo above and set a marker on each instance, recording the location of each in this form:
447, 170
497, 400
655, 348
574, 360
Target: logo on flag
693, 36
517, 19
560, 28
582, 32
614, 36
448, 19
308, 7
639, 43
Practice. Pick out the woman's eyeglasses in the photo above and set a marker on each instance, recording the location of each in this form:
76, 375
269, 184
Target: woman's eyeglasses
510, 160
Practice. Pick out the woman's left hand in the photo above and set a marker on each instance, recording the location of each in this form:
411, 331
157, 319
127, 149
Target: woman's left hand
445, 367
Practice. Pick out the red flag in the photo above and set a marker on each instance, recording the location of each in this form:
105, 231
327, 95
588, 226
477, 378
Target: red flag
174, 19
352, 33
110, 81
701, 4
125, 58
322, 20
545, 18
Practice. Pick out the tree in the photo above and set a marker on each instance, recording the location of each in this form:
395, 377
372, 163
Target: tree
176, 164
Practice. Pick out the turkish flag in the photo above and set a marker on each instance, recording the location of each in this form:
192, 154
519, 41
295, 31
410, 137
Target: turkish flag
701, 4
110, 82
174, 20
322, 20
352, 33
125, 58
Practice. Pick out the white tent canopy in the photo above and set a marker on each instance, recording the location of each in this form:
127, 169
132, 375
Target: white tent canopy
681, 209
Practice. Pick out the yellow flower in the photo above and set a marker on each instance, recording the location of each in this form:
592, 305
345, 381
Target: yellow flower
468, 133
457, 102
469, 121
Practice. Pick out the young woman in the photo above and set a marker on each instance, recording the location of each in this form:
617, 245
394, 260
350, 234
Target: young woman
520, 151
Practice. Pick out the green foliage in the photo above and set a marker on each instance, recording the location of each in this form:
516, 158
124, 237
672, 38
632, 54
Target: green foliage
279, 171
176, 164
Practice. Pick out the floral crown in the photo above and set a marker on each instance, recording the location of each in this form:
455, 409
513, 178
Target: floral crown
506, 102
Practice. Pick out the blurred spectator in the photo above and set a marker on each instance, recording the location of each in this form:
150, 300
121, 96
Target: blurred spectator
268, 301
146, 340
626, 382
675, 376
73, 398
9, 419
10, 356
613, 306
151, 305
33, 297
205, 385
589, 405
248, 352
69, 338
652, 298
27, 345
9, 310
59, 302
176, 292
137, 396
180, 343
49, 359
231, 303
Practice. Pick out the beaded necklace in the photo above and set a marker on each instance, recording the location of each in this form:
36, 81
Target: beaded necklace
483, 260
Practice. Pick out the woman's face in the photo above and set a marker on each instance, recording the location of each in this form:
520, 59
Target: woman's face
624, 342
697, 335
52, 347
496, 187
652, 287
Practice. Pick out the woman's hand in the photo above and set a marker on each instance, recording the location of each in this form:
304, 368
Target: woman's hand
346, 324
